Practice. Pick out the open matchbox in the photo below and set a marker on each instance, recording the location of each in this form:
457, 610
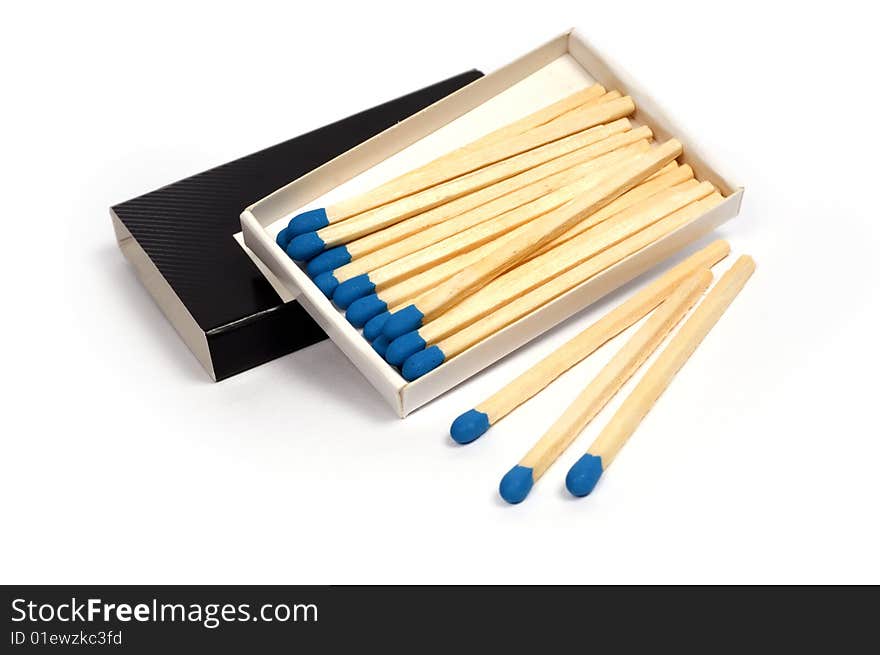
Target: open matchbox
537, 79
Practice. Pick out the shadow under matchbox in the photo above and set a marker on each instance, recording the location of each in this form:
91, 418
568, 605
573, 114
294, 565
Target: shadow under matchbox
181, 241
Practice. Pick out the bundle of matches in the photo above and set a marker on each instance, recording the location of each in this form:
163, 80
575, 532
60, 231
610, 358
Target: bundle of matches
438, 259
668, 299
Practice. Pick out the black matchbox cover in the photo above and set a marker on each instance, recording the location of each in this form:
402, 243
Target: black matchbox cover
180, 240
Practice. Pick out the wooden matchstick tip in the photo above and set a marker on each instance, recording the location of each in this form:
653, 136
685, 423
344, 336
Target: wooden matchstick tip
516, 484
402, 321
746, 261
422, 362
380, 345
469, 427
328, 260
305, 246
362, 311
327, 283
310, 221
350, 290
373, 327
721, 245
674, 144
583, 476
403, 347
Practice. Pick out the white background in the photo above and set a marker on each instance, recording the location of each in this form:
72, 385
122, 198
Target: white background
121, 463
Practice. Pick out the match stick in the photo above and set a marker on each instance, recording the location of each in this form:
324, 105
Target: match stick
585, 473
313, 220
538, 271
591, 144
529, 238
372, 310
426, 360
518, 481
316, 219
462, 162
311, 243
473, 423
586, 96
470, 230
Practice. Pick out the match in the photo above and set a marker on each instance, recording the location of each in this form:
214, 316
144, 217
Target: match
475, 422
551, 264
383, 246
578, 148
584, 475
318, 218
428, 250
528, 238
308, 244
518, 481
371, 311
434, 355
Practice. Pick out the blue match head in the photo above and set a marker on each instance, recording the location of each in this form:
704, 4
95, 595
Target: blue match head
327, 283
516, 484
309, 221
350, 290
380, 345
402, 347
422, 362
373, 327
305, 246
283, 238
402, 321
469, 426
363, 311
328, 260
583, 476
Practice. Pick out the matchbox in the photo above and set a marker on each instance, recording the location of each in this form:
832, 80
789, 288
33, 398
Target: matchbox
544, 75
229, 309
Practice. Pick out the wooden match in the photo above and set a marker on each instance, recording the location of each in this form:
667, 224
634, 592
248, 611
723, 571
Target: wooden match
308, 244
550, 159
318, 218
585, 473
389, 214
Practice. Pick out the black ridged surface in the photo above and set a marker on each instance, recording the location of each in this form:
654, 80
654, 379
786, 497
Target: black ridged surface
186, 229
